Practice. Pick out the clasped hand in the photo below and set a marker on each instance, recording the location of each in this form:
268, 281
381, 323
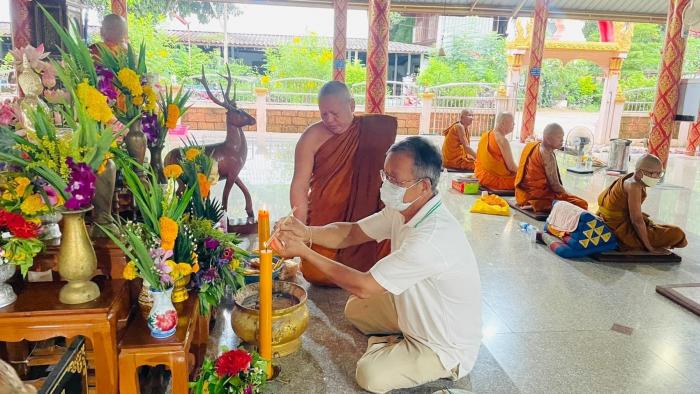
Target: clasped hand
291, 238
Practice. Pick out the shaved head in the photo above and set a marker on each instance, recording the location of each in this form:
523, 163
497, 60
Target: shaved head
334, 88
505, 122
113, 30
553, 136
466, 117
649, 162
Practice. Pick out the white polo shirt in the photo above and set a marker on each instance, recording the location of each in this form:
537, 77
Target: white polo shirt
433, 276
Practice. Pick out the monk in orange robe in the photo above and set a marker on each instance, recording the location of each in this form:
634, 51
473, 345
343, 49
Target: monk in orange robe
337, 178
538, 183
621, 209
456, 152
113, 33
495, 167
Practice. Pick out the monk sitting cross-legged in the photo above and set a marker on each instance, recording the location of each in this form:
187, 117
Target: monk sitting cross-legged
495, 167
456, 152
336, 174
538, 183
621, 209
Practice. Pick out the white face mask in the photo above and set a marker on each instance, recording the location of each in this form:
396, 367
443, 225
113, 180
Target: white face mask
649, 181
392, 196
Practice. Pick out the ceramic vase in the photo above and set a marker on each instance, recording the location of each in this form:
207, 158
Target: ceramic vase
104, 198
180, 293
135, 141
162, 319
7, 295
76, 260
157, 163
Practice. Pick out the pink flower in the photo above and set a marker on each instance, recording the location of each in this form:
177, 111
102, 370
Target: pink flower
167, 321
7, 115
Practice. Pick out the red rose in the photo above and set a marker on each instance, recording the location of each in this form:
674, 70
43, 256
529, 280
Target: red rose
166, 321
233, 362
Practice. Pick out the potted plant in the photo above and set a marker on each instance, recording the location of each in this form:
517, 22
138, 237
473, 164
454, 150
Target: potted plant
233, 372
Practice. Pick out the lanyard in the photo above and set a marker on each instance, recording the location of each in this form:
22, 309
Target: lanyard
430, 211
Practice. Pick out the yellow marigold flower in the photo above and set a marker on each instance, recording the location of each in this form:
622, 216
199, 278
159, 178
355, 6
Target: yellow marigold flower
151, 98
204, 185
130, 272
168, 233
172, 171
184, 269
234, 264
173, 116
95, 103
265, 79
8, 196
22, 183
33, 204
137, 100
130, 80
192, 153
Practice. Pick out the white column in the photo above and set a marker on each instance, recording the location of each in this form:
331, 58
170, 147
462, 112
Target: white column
261, 110
426, 111
606, 117
618, 107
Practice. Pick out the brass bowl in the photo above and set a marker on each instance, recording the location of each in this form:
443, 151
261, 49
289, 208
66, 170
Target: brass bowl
290, 316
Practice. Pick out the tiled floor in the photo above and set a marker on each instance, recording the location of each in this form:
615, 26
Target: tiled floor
547, 320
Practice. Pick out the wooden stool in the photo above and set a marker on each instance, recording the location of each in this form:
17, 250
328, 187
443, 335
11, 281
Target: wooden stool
138, 348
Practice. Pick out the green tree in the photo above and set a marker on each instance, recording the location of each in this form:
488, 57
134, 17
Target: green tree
203, 10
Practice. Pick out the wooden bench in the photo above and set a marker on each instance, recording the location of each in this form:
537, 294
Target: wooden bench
138, 348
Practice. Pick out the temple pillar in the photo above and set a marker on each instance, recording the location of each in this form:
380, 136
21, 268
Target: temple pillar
377, 55
515, 63
119, 8
607, 104
666, 102
693, 138
532, 89
21, 23
340, 11
426, 112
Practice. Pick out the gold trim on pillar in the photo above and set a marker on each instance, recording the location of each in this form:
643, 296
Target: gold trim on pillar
619, 96
515, 60
615, 65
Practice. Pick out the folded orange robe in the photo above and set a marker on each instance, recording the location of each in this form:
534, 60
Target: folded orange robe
491, 169
345, 186
531, 185
453, 153
615, 213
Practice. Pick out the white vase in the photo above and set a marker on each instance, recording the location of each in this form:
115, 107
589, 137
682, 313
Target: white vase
7, 294
162, 320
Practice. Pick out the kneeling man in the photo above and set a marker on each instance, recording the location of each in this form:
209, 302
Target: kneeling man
621, 209
538, 183
424, 297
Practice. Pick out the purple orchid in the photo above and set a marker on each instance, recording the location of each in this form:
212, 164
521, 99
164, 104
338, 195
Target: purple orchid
149, 123
211, 243
210, 275
81, 185
105, 83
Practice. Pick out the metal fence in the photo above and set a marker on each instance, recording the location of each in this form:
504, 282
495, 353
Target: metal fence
243, 87
451, 99
294, 91
639, 100
398, 94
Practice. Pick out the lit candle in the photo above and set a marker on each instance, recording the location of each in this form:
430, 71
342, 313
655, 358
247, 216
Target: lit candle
265, 309
263, 227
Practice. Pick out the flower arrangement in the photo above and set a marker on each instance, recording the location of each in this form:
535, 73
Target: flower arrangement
171, 107
19, 242
233, 372
199, 173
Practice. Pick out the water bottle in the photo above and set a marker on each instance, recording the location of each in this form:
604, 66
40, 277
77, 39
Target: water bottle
530, 230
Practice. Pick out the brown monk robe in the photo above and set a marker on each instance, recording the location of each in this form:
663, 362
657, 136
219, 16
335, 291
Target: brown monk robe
495, 167
621, 209
113, 33
538, 182
456, 152
337, 174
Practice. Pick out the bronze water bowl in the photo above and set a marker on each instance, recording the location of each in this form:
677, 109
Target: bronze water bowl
290, 316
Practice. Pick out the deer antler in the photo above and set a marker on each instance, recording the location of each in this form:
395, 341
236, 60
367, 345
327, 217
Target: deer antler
213, 98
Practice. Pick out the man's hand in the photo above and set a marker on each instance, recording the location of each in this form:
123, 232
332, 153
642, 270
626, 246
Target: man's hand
294, 227
289, 245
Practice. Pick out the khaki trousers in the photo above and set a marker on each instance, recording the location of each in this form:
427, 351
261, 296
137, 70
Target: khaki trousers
391, 361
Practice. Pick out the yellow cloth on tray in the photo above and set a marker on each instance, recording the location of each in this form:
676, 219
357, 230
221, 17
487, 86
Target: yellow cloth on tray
491, 205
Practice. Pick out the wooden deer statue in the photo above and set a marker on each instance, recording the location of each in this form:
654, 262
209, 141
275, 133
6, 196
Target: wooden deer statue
230, 154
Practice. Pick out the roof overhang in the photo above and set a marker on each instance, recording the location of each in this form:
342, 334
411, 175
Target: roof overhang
619, 10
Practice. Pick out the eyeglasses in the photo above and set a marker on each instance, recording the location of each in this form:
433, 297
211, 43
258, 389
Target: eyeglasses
654, 174
393, 180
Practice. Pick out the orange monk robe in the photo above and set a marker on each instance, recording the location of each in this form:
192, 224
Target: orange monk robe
491, 169
95, 50
453, 153
531, 185
615, 212
344, 187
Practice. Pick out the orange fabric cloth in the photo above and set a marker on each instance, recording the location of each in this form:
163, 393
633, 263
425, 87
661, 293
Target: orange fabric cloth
491, 169
614, 210
531, 185
345, 186
95, 50
453, 153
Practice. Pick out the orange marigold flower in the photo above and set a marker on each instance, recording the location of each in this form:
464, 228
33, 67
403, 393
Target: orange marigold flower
204, 185
168, 233
173, 116
172, 171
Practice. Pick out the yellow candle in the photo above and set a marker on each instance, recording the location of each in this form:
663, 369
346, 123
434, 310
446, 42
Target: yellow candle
263, 227
265, 311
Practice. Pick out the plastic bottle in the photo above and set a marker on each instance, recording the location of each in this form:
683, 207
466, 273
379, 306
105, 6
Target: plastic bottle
530, 230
